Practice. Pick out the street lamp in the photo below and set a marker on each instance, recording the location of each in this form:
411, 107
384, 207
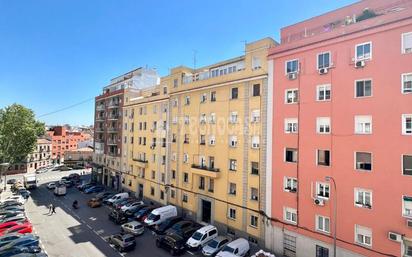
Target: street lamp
5, 165
335, 199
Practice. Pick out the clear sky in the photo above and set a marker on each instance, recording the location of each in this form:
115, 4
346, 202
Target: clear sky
56, 53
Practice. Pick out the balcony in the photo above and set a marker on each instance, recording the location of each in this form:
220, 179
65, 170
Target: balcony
99, 140
204, 170
113, 104
99, 130
113, 116
141, 163
111, 141
99, 119
112, 130
100, 107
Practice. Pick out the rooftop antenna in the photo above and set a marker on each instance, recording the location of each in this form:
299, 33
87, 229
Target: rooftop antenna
194, 58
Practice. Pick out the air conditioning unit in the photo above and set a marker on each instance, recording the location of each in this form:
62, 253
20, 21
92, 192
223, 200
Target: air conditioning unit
319, 202
323, 71
360, 64
409, 223
394, 236
292, 76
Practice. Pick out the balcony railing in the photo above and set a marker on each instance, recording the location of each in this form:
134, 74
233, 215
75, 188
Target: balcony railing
140, 160
112, 141
100, 107
112, 130
113, 116
205, 167
100, 118
113, 104
99, 130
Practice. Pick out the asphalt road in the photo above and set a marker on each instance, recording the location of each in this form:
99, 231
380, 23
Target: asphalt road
81, 232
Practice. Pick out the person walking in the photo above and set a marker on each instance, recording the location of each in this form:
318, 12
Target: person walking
50, 208
53, 209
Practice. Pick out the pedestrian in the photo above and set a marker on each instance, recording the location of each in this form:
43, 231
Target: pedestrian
50, 208
53, 209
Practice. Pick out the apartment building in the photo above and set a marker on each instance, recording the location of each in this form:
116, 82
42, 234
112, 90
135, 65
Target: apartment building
108, 127
341, 88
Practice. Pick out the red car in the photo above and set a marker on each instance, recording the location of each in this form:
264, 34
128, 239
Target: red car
21, 229
7, 225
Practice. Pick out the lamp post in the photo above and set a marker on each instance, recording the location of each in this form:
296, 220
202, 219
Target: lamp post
5, 165
335, 201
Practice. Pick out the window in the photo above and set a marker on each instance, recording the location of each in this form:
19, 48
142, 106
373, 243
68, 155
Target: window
290, 184
363, 124
407, 206
322, 190
153, 174
185, 158
174, 102
211, 185
254, 168
407, 83
162, 195
203, 98
323, 157
291, 125
363, 88
322, 224
323, 125
289, 245
254, 221
174, 138
292, 66
185, 198
255, 142
406, 124
187, 100
322, 251
256, 63
407, 165
256, 90
291, 155
212, 140
152, 191
254, 194
232, 188
291, 96
212, 118
172, 194
186, 177
232, 141
408, 248
232, 213
363, 235
202, 183
255, 116
233, 117
363, 161
290, 215
186, 119
234, 93
407, 44
363, 51
232, 164
186, 139
202, 139
173, 174
164, 90
363, 198
213, 96
323, 60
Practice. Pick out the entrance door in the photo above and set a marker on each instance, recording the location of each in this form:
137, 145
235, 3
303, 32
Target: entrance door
206, 211
35, 165
140, 191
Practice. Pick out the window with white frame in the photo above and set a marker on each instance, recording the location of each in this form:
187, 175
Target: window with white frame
407, 206
255, 142
175, 101
323, 125
203, 98
212, 140
212, 118
363, 161
322, 190
322, 224
363, 124
232, 189
185, 158
291, 125
323, 92
232, 213
254, 221
363, 197
255, 116
407, 43
174, 157
291, 96
363, 51
232, 164
292, 66
407, 165
407, 83
323, 157
363, 88
291, 155
408, 248
290, 215
233, 117
256, 62
187, 100
232, 141
290, 184
186, 119
406, 124
323, 60
254, 194
363, 235
202, 118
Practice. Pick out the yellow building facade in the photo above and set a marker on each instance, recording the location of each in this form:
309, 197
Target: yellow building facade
204, 146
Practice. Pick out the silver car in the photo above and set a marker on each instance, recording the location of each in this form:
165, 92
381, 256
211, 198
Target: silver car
214, 246
134, 227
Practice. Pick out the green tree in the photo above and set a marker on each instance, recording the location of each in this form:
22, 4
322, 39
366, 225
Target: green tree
19, 131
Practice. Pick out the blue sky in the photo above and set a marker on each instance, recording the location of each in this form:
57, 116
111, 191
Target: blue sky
54, 54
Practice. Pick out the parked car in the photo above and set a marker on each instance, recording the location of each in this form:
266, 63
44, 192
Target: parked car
13, 208
24, 241
74, 176
143, 213
6, 212
94, 202
17, 198
61, 168
94, 189
161, 228
19, 218
214, 246
134, 227
131, 212
104, 194
160, 214
67, 183
201, 237
123, 242
31, 255
81, 187
8, 238
13, 251
23, 228
7, 225
131, 205
237, 248
24, 193
116, 197
11, 181
51, 185
119, 203
175, 242
10, 203
117, 217
182, 225
10, 214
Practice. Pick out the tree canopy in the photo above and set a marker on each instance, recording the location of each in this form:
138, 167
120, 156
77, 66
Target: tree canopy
19, 131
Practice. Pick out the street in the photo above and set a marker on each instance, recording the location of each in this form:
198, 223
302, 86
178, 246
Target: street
80, 232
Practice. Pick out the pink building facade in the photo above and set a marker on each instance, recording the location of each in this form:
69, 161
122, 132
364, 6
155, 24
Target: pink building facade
341, 90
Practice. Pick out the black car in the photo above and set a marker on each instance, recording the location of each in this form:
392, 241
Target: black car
131, 213
182, 225
84, 186
24, 241
175, 242
118, 217
4, 240
11, 181
13, 251
165, 225
143, 213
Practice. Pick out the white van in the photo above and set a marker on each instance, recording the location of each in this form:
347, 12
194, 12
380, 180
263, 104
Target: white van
201, 237
159, 215
117, 197
237, 248
60, 190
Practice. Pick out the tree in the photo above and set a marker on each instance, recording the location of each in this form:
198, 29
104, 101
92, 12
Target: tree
19, 131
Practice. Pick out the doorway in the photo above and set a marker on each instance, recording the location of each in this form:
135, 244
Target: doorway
206, 211
140, 191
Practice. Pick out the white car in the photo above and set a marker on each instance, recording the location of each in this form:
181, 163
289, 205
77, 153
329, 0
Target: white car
51, 185
15, 198
130, 205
